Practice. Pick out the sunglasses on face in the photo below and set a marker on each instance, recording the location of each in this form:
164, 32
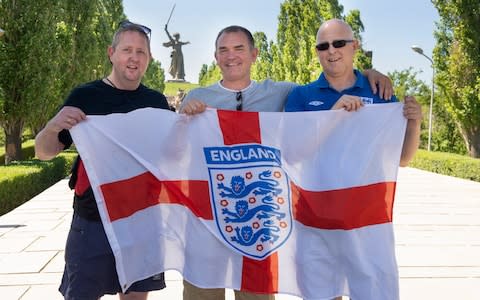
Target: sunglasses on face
239, 98
336, 44
128, 24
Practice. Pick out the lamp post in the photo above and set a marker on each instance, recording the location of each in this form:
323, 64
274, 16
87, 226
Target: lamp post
420, 51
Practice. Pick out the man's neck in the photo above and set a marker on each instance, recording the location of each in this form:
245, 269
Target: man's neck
123, 84
236, 85
340, 83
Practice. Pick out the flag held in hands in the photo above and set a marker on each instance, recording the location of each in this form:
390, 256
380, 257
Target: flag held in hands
295, 203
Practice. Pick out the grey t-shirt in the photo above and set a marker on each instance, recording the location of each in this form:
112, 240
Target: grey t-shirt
267, 95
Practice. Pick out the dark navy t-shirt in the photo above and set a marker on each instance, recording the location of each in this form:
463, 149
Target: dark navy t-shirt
98, 98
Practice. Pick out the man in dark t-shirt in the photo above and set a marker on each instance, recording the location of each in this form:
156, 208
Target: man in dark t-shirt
90, 269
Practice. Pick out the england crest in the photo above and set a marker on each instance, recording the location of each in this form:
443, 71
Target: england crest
250, 197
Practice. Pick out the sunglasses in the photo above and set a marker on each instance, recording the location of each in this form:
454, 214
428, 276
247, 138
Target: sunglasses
239, 98
336, 44
130, 25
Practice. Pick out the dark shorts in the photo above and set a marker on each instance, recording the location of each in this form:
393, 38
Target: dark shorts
90, 269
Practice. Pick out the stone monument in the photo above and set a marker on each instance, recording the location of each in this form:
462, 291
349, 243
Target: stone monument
177, 68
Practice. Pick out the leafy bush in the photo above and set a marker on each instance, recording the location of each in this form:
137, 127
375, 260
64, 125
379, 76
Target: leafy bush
447, 164
20, 181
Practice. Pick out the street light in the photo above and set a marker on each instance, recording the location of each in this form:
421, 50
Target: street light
420, 51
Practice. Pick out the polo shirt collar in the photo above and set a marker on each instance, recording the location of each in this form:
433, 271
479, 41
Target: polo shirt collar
359, 82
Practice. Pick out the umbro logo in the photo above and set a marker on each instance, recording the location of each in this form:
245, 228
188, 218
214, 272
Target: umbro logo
315, 103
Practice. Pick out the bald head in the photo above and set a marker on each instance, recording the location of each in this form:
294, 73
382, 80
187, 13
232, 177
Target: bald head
336, 48
334, 29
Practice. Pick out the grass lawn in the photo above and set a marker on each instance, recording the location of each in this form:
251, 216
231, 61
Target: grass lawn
171, 88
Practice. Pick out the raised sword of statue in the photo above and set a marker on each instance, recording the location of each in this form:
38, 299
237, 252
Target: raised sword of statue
169, 17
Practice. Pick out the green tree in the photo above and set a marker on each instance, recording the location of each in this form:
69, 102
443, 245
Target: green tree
363, 58
457, 62
297, 22
294, 56
49, 47
407, 84
278, 72
155, 76
213, 75
261, 69
203, 72
28, 53
445, 135
84, 33
90, 25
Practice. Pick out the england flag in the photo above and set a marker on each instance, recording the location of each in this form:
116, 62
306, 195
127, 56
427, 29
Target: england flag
296, 203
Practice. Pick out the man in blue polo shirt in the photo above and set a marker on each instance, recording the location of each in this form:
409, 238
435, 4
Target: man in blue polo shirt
341, 86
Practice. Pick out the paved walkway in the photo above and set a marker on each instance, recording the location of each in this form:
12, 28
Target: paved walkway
437, 225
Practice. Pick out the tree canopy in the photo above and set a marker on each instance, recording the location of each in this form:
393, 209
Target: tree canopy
292, 57
457, 62
48, 48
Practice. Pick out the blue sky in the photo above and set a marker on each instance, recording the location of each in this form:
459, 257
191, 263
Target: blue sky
391, 28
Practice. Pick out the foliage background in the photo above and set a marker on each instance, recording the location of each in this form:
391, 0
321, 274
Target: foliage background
51, 46
48, 48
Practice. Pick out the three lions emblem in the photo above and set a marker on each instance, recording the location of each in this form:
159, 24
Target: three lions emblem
252, 208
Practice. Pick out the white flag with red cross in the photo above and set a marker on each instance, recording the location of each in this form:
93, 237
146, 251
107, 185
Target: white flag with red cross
296, 203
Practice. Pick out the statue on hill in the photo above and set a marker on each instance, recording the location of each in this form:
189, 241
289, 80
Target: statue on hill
177, 69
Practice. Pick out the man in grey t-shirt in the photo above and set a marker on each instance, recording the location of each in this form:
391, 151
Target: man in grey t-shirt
235, 53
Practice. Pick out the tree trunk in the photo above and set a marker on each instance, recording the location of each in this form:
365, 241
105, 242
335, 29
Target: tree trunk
474, 146
13, 141
472, 140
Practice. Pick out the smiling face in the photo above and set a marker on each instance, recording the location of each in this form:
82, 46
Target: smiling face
336, 62
235, 56
130, 58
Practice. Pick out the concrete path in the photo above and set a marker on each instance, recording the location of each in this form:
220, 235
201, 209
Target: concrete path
437, 227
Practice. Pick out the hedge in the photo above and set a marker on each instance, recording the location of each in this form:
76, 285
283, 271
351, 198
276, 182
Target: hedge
20, 181
448, 164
